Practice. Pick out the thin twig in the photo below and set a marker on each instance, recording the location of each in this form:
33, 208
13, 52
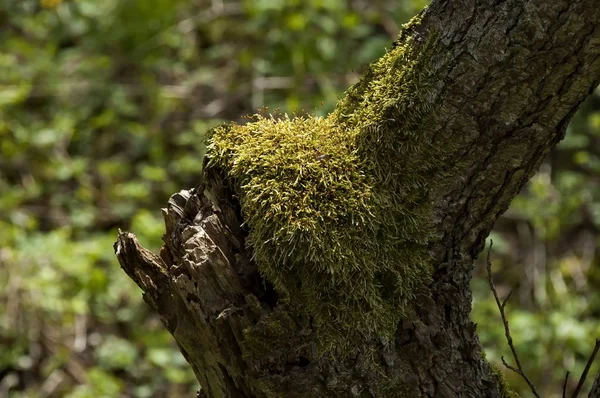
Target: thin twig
501, 305
506, 299
586, 370
564, 394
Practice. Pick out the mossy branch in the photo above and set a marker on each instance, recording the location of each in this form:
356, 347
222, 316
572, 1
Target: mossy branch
338, 213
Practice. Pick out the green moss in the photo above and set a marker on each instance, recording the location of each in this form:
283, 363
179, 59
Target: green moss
273, 341
338, 207
505, 389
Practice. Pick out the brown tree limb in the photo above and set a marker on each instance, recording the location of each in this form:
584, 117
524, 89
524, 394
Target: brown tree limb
503, 80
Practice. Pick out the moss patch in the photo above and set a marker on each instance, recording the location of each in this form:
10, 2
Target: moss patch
273, 342
338, 207
505, 388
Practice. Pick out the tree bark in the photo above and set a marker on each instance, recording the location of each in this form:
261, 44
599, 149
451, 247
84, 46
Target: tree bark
503, 80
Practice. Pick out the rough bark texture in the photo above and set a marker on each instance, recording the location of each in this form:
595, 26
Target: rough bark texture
507, 77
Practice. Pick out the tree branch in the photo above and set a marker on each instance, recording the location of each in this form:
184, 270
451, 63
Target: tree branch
472, 98
588, 365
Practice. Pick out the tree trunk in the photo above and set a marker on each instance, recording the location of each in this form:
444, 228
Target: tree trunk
448, 125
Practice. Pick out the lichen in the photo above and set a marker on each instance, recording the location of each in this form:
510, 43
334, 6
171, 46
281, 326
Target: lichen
338, 207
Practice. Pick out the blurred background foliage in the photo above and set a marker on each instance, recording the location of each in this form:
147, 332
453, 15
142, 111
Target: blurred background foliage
103, 106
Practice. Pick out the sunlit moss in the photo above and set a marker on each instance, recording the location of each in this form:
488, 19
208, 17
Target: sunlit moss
505, 389
338, 207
